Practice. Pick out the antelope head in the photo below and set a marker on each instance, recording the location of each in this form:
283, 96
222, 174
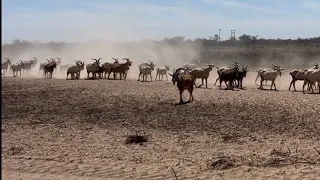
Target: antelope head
97, 61
211, 66
8, 61
59, 60
151, 63
167, 67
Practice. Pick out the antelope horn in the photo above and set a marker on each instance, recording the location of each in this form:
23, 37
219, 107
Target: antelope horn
34, 58
99, 59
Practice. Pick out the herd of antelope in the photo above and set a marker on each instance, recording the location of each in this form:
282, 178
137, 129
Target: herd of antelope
185, 76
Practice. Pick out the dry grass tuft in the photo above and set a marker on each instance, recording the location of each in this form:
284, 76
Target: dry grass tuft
16, 151
222, 163
277, 162
76, 128
280, 152
228, 138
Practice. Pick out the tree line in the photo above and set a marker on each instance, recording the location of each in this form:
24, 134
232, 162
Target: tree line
247, 47
242, 41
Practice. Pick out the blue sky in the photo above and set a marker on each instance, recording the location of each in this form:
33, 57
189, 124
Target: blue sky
82, 20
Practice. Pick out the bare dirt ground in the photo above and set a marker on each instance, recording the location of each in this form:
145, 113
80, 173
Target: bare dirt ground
59, 129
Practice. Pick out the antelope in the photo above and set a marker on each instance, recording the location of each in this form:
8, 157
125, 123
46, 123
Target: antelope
219, 70
229, 75
299, 75
5, 65
202, 73
271, 75
43, 64
49, 68
17, 68
311, 77
121, 68
190, 66
75, 70
93, 68
242, 74
146, 70
185, 81
265, 69
162, 71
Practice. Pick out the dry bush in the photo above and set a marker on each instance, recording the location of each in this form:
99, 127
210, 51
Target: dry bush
222, 163
278, 158
282, 157
280, 152
230, 138
137, 139
16, 150
276, 162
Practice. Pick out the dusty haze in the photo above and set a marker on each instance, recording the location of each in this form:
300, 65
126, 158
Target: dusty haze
162, 53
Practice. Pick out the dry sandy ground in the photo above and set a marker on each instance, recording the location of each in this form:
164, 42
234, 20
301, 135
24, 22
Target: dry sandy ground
59, 129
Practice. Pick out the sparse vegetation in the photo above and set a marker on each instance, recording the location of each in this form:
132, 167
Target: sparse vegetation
246, 49
85, 124
77, 128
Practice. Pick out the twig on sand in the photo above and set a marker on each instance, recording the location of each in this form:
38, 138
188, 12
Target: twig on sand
174, 173
316, 150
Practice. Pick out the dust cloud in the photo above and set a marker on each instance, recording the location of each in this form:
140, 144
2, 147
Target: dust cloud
161, 53
139, 52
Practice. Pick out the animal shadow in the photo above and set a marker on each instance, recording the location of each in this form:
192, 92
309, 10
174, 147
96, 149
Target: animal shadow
182, 103
297, 91
226, 89
146, 81
268, 89
203, 87
91, 78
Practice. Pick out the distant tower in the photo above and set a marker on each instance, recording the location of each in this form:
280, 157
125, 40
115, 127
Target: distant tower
233, 34
219, 35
